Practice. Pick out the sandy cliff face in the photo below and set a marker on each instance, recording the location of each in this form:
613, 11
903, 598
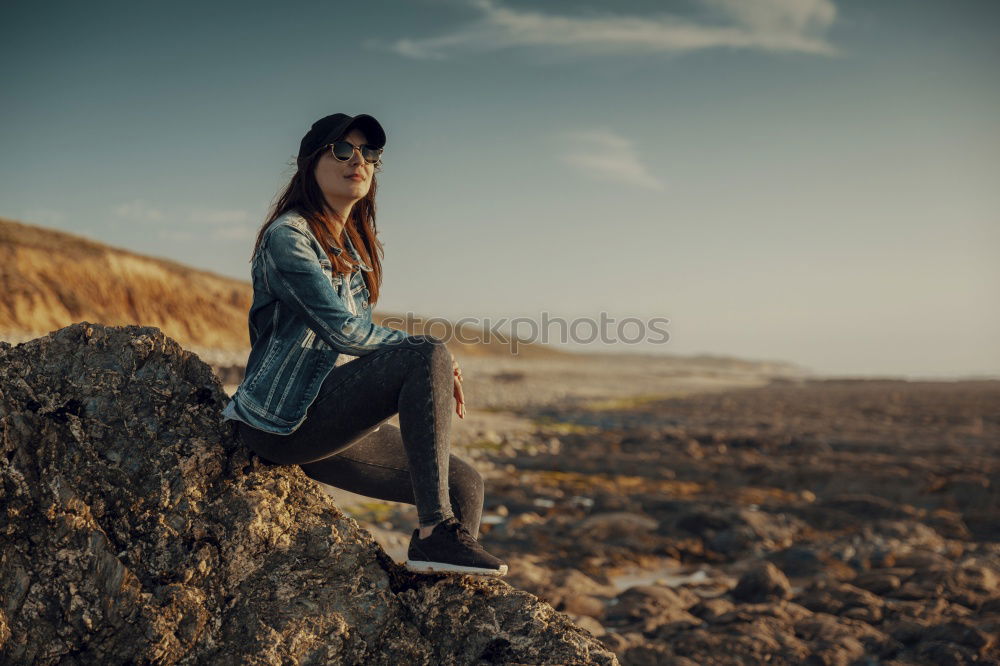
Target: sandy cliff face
135, 529
49, 279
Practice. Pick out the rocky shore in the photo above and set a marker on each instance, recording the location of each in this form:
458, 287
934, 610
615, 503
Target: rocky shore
740, 518
652, 511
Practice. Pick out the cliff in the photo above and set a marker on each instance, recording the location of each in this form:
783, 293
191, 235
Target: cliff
135, 529
50, 278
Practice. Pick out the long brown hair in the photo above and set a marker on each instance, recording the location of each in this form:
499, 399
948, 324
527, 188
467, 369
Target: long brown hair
304, 195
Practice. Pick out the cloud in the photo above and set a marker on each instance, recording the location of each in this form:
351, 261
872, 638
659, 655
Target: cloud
223, 223
603, 154
234, 232
797, 26
201, 224
175, 235
218, 216
138, 210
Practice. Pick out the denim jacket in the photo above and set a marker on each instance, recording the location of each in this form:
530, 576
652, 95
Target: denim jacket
300, 322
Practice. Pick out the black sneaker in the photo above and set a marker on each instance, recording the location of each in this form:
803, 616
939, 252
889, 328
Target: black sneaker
450, 549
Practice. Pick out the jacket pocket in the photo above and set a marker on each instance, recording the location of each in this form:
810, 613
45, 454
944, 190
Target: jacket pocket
269, 355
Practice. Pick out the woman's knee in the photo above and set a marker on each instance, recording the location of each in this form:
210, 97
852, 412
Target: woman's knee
434, 350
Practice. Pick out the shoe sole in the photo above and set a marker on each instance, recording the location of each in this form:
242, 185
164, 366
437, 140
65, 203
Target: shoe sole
417, 566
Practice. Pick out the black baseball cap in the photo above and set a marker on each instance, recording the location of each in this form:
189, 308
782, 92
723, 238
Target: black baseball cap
326, 130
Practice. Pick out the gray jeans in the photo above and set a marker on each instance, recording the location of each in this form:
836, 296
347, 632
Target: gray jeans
345, 441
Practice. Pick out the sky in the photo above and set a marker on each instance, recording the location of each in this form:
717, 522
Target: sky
799, 180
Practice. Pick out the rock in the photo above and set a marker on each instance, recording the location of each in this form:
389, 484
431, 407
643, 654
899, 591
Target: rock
645, 607
567, 590
922, 560
799, 560
868, 507
780, 613
906, 631
493, 437
877, 582
983, 523
990, 605
590, 624
808, 561
946, 654
978, 575
949, 524
135, 529
735, 541
649, 655
841, 641
967, 490
701, 520
615, 642
963, 633
692, 449
615, 525
711, 610
528, 575
756, 642
571, 581
843, 599
582, 604
763, 582
735, 532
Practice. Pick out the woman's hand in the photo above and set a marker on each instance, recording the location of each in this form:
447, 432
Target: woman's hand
459, 395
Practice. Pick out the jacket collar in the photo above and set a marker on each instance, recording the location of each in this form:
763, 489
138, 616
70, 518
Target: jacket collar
353, 253
297, 218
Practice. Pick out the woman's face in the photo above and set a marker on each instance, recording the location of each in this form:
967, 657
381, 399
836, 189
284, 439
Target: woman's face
345, 182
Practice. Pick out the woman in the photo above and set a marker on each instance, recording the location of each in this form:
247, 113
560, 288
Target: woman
322, 379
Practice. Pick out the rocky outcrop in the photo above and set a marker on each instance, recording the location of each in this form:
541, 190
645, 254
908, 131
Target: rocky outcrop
135, 529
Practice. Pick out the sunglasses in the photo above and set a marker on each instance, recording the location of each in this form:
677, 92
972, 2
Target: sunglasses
344, 150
